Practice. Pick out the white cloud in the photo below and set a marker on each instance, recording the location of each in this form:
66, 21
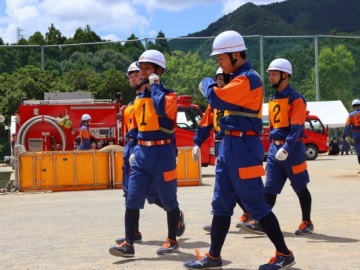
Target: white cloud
171, 5
26, 13
111, 19
103, 16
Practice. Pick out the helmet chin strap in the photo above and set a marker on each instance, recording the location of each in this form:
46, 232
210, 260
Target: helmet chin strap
142, 82
233, 61
276, 85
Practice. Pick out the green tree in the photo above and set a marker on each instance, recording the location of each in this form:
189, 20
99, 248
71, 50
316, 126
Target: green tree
54, 36
78, 61
336, 68
105, 59
9, 59
161, 44
184, 71
30, 82
85, 35
133, 48
112, 81
36, 39
81, 79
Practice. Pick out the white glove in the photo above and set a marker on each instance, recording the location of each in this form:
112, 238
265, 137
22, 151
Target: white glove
131, 159
177, 160
196, 153
201, 89
154, 78
281, 154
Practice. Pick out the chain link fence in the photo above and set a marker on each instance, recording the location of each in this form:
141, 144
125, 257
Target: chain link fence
325, 67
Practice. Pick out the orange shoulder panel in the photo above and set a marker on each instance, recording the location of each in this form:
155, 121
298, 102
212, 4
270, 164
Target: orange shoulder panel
348, 121
128, 117
207, 119
85, 134
171, 105
238, 92
298, 112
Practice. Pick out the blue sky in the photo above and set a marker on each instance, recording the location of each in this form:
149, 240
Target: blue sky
113, 19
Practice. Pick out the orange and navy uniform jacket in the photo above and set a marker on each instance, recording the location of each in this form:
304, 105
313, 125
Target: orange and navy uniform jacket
239, 157
127, 117
154, 115
287, 115
127, 121
209, 120
353, 122
241, 96
85, 138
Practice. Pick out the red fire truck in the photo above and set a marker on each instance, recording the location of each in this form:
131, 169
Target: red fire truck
316, 137
52, 124
188, 117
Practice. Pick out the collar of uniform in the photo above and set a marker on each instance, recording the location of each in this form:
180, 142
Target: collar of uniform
283, 94
144, 94
245, 67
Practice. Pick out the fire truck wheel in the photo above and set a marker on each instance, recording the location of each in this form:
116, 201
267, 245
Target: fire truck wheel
311, 152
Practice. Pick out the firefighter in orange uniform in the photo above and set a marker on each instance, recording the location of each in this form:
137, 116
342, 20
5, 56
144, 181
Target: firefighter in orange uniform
287, 153
134, 76
239, 165
154, 156
211, 120
353, 124
85, 133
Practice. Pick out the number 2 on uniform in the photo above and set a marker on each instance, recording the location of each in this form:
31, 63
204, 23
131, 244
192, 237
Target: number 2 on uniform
358, 120
276, 110
143, 115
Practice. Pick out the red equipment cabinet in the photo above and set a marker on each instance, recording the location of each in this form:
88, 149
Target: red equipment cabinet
39, 130
188, 117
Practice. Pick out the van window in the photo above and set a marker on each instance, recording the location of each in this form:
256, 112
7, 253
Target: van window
188, 118
314, 126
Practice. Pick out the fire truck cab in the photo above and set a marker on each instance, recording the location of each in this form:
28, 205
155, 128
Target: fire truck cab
187, 120
316, 138
53, 124
188, 117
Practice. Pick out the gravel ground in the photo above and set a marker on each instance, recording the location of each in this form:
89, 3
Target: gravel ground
74, 230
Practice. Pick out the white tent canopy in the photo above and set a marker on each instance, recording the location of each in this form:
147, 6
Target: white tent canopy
332, 113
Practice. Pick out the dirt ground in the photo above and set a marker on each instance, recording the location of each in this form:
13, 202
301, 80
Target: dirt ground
74, 230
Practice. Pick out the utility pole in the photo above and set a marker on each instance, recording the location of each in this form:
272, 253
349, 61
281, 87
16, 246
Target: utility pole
19, 34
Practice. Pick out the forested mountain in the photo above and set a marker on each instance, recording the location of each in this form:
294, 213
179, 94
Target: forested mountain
291, 17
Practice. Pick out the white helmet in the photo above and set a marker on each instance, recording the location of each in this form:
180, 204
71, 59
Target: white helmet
152, 56
219, 71
85, 117
355, 102
133, 67
280, 64
228, 42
